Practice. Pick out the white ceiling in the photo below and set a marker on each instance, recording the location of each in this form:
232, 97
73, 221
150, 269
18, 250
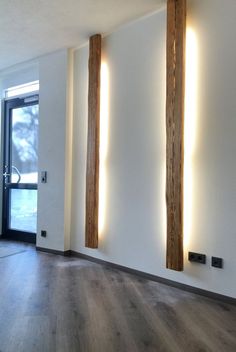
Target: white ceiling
30, 28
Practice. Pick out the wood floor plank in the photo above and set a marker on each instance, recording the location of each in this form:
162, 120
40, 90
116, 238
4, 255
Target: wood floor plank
52, 303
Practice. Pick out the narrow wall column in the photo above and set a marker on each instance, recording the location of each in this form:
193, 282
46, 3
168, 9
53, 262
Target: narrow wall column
55, 154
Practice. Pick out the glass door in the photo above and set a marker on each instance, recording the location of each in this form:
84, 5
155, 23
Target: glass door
20, 169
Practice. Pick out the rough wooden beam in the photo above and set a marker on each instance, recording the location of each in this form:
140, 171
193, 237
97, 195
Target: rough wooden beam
176, 30
92, 174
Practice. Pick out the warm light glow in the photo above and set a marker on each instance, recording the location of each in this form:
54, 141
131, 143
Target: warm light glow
190, 128
103, 146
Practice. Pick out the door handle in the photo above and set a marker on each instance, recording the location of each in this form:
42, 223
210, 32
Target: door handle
9, 175
18, 173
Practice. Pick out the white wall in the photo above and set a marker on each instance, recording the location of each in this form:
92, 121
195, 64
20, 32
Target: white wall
17, 75
54, 151
135, 225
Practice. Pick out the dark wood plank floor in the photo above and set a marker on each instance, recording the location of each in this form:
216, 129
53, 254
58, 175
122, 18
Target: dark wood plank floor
52, 303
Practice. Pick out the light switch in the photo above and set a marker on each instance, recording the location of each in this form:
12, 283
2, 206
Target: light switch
44, 177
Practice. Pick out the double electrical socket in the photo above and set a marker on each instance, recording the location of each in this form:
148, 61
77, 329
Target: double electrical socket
197, 257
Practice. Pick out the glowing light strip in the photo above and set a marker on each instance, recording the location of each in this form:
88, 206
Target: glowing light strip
190, 128
103, 147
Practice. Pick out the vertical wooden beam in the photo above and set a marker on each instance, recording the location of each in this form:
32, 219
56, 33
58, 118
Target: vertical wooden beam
92, 174
176, 31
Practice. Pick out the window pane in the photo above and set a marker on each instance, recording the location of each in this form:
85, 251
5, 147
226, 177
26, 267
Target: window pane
23, 210
24, 151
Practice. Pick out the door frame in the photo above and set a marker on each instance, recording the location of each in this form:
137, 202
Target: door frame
8, 106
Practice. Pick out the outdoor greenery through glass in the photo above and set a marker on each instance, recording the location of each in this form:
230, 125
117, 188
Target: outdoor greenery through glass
24, 158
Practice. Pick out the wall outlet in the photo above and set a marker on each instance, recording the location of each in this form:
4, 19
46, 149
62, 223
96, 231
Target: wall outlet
43, 233
217, 262
197, 257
